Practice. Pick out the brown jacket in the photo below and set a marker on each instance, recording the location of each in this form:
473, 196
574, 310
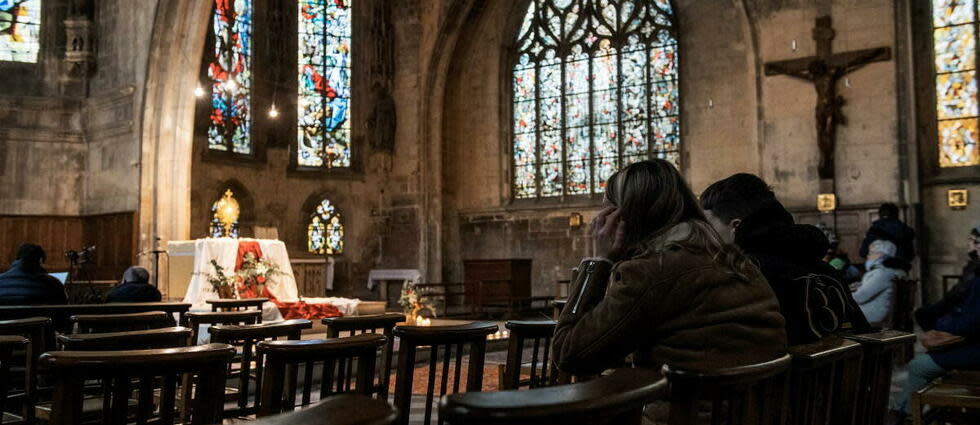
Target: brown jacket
668, 305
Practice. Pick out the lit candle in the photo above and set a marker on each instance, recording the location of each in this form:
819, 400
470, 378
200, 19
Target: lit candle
422, 321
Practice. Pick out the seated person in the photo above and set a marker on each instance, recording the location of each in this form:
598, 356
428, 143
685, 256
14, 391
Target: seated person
953, 341
956, 294
663, 286
875, 292
134, 288
27, 283
812, 298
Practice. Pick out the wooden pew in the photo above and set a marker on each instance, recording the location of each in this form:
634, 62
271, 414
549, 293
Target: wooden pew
40, 336
343, 409
825, 381
617, 399
61, 314
101, 323
880, 349
370, 324
541, 371
8, 345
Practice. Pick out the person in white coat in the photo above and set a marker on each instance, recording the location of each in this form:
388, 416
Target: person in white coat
875, 293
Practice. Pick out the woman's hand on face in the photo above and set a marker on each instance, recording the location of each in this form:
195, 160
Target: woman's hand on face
608, 231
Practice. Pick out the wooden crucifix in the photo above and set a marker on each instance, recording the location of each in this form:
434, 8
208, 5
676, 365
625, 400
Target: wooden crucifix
825, 70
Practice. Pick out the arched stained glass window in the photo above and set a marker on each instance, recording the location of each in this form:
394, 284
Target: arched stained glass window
594, 88
325, 233
323, 133
230, 71
955, 37
20, 30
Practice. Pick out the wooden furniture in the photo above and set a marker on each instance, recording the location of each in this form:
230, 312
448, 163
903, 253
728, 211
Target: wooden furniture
284, 358
743, 395
439, 338
903, 308
370, 324
246, 337
226, 304
825, 379
558, 306
156, 370
40, 336
197, 319
494, 283
61, 314
101, 323
541, 372
948, 397
617, 399
130, 340
448, 298
880, 349
343, 409
8, 344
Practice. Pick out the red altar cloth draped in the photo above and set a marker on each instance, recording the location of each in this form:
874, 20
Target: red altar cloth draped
294, 310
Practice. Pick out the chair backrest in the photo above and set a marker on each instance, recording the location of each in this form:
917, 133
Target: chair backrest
130, 340
472, 336
61, 314
351, 325
615, 399
154, 369
8, 344
880, 350
283, 359
904, 304
342, 409
39, 333
231, 304
246, 337
825, 379
101, 323
542, 372
744, 395
197, 319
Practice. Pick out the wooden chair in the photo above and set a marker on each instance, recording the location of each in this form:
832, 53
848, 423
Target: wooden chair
343, 409
227, 304
617, 399
370, 324
825, 379
539, 333
880, 349
197, 319
61, 314
130, 340
903, 308
101, 323
70, 369
39, 333
743, 395
473, 335
954, 398
557, 306
8, 344
246, 337
338, 355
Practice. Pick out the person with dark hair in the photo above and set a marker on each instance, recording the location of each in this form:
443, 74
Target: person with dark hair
812, 298
134, 288
663, 286
27, 283
890, 228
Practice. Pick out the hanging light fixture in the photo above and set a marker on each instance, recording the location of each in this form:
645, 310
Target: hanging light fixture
273, 112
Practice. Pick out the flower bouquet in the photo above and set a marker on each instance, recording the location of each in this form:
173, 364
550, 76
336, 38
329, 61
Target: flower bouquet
412, 303
221, 283
254, 274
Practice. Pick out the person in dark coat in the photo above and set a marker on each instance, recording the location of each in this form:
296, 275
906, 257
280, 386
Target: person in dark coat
134, 288
28, 283
958, 293
890, 228
812, 297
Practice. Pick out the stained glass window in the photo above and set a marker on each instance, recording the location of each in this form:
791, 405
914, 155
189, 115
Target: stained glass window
323, 132
955, 35
594, 89
325, 234
230, 71
20, 23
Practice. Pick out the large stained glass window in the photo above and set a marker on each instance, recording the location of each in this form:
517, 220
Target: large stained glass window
955, 38
20, 23
325, 233
230, 71
323, 133
594, 88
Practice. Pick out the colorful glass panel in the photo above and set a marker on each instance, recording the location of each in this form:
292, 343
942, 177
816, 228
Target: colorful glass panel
230, 71
955, 47
323, 136
325, 233
20, 30
611, 100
